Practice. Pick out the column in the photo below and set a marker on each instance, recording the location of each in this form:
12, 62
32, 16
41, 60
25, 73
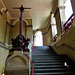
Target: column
58, 22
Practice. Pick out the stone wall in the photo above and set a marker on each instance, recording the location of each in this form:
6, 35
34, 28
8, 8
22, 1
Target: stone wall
15, 30
4, 36
46, 33
46, 37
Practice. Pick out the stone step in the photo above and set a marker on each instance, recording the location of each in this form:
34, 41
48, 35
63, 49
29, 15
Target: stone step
52, 60
55, 73
46, 58
47, 61
51, 66
52, 63
53, 70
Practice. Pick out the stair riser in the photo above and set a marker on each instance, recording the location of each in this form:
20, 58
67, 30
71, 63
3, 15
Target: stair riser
47, 67
46, 61
53, 63
51, 71
52, 74
47, 58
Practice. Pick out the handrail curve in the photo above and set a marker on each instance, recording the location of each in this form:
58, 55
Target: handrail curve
47, 30
65, 45
68, 23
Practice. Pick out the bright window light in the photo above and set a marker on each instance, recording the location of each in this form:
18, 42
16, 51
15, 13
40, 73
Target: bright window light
68, 9
38, 40
54, 30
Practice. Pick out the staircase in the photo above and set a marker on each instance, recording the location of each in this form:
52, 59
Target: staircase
46, 62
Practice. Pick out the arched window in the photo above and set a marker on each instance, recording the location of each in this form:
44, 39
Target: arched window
38, 40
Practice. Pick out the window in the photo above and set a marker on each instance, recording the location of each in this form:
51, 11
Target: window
68, 15
54, 28
54, 32
68, 9
38, 40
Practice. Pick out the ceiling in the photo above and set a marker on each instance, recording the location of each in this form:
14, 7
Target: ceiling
39, 12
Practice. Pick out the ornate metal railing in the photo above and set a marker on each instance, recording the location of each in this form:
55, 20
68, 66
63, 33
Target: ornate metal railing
69, 22
55, 37
67, 25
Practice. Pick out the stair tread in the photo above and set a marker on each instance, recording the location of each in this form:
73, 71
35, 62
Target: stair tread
51, 69
51, 66
56, 73
45, 60
44, 54
50, 63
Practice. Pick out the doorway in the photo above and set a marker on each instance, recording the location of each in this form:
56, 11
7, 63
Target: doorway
38, 39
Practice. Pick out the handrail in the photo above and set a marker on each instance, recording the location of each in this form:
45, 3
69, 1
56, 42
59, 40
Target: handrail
4, 47
68, 23
55, 37
59, 45
65, 45
46, 31
2, 43
69, 19
31, 60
